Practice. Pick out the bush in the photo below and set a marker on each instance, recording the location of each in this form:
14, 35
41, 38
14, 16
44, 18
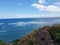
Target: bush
3, 43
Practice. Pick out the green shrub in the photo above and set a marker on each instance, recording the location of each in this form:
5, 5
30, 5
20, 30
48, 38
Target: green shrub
3, 43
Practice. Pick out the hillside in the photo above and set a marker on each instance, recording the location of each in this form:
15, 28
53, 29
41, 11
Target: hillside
47, 35
39, 37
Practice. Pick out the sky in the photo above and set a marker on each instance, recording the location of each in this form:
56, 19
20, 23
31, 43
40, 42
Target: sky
29, 8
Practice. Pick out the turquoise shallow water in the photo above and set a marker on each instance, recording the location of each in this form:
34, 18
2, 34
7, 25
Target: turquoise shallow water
11, 29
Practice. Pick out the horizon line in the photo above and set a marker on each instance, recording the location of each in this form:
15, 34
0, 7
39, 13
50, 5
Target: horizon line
30, 17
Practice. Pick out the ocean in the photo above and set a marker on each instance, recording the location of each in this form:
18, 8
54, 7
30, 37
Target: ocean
11, 29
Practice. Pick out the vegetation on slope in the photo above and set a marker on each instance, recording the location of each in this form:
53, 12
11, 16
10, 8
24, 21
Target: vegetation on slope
3, 43
48, 35
55, 33
39, 37
43, 36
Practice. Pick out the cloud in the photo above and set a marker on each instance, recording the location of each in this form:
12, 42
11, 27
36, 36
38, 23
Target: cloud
35, 16
46, 8
18, 16
41, 1
30, 16
7, 16
57, 4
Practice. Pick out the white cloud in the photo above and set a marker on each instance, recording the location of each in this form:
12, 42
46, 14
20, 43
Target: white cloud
41, 1
46, 8
18, 16
30, 16
7, 16
57, 3
38, 16
26, 16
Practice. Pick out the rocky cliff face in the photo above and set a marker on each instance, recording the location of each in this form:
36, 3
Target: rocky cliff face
39, 37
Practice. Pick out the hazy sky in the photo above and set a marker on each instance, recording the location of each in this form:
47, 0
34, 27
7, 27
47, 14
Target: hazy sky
29, 8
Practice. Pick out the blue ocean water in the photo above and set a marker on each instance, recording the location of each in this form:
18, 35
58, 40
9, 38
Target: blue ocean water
11, 29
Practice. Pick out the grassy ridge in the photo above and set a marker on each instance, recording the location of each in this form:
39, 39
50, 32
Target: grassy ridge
55, 33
